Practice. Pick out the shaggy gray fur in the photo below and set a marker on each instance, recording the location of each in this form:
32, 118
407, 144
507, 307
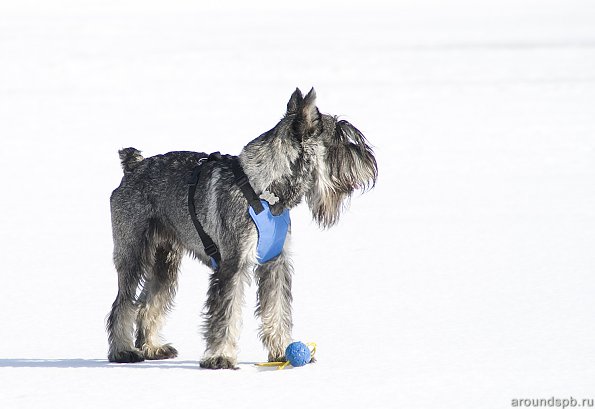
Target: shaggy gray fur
306, 155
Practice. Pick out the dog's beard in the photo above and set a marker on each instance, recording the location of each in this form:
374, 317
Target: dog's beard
346, 164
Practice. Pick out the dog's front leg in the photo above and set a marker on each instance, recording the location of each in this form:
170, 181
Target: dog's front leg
224, 316
274, 305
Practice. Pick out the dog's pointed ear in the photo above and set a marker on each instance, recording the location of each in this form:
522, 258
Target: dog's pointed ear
310, 114
294, 102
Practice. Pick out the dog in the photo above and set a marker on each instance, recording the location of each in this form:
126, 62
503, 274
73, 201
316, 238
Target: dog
156, 219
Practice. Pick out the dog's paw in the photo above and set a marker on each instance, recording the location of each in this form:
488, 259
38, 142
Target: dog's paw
218, 362
123, 357
163, 352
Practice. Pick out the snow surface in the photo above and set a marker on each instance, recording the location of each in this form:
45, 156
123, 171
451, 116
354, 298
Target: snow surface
465, 279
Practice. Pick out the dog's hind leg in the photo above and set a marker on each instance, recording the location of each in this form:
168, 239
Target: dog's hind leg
274, 305
155, 301
120, 322
224, 315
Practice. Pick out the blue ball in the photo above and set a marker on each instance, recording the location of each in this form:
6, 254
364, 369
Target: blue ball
298, 354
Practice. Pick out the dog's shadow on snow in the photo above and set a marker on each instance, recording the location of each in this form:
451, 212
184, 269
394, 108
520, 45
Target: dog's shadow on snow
95, 363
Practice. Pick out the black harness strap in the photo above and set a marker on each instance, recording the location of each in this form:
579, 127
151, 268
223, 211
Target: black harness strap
244, 185
241, 180
210, 247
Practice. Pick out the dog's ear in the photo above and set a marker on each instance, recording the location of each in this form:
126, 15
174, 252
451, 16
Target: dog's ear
294, 102
309, 115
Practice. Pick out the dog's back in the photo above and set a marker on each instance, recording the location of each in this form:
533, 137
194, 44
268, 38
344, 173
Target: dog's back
153, 195
159, 176
153, 192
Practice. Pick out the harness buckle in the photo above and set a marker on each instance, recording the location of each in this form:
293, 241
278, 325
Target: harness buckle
211, 250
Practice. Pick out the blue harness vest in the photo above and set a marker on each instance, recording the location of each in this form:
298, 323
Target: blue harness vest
272, 230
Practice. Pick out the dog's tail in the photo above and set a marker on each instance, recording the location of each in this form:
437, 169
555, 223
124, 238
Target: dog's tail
130, 158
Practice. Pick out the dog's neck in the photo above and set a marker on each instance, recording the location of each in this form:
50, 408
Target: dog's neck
279, 177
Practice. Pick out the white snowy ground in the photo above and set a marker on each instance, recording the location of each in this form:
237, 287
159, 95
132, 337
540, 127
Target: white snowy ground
465, 279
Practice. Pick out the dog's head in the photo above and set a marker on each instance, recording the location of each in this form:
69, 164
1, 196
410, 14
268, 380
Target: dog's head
313, 155
344, 161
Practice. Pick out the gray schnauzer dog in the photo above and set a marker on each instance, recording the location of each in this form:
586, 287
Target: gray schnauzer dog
156, 219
